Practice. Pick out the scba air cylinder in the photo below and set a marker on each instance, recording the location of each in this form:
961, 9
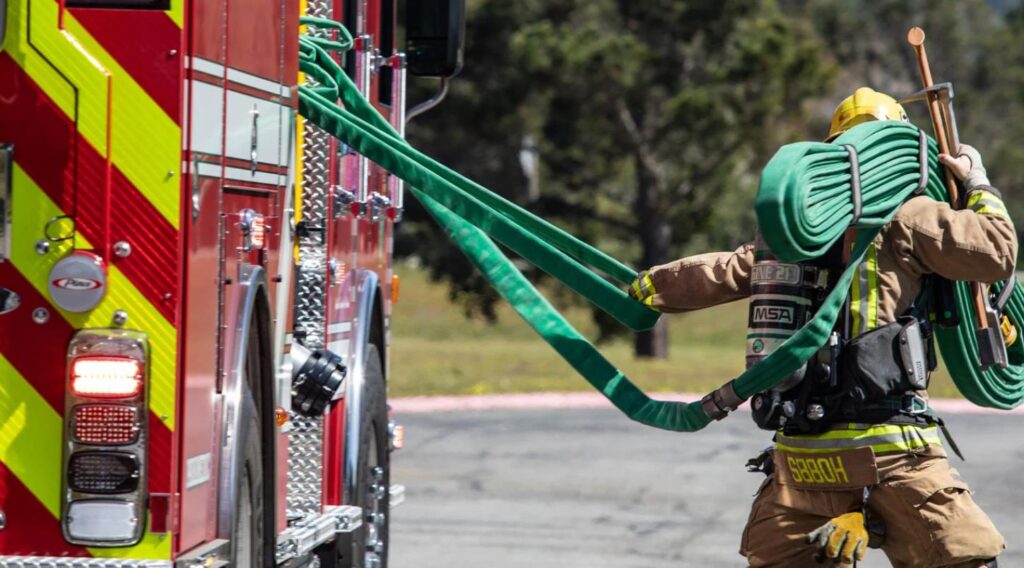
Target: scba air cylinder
781, 301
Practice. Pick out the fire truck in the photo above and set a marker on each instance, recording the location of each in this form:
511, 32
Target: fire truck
195, 285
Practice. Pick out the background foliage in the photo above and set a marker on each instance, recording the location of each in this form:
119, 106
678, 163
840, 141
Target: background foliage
642, 126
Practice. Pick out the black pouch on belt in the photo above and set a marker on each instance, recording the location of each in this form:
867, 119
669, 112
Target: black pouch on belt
892, 359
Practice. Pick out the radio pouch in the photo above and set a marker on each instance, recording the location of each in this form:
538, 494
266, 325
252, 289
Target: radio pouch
892, 359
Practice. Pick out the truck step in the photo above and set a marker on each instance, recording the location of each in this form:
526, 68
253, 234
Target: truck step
397, 495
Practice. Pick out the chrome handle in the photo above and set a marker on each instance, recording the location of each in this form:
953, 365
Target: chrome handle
365, 56
254, 141
6, 166
195, 188
398, 99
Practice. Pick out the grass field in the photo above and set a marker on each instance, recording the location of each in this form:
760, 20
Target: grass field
437, 351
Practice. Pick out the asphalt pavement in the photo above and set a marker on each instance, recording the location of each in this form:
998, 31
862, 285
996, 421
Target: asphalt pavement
589, 488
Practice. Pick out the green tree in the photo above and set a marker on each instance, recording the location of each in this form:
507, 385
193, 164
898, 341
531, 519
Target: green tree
687, 98
975, 44
648, 120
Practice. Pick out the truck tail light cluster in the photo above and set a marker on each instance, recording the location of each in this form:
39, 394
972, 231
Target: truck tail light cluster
104, 473
105, 437
106, 377
105, 424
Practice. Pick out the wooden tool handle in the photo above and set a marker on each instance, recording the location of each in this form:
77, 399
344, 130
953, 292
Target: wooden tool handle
915, 37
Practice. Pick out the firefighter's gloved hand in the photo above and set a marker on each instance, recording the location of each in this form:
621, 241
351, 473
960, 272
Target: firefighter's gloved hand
966, 166
843, 538
642, 290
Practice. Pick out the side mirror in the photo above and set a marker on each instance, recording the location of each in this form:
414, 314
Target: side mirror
435, 33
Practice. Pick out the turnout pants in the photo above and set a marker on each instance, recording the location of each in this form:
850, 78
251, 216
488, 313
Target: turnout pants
930, 519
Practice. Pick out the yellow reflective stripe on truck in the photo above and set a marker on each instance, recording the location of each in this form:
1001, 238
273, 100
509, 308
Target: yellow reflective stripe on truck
146, 143
121, 293
31, 434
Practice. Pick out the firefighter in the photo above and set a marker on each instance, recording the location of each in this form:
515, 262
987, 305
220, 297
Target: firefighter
870, 462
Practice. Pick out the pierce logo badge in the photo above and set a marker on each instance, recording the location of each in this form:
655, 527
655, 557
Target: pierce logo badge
78, 282
81, 284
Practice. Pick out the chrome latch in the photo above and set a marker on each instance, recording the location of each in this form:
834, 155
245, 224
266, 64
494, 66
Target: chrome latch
379, 205
342, 201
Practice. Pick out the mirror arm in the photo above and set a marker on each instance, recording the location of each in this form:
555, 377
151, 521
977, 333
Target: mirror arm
430, 103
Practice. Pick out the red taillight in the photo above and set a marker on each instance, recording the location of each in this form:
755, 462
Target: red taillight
106, 377
106, 424
105, 441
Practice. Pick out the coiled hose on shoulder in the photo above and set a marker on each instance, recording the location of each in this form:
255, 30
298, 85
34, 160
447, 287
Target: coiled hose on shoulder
805, 220
804, 206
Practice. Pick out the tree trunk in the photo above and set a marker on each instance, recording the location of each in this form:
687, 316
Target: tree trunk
655, 240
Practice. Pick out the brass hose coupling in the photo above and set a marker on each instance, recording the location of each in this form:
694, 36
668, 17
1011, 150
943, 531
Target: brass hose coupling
718, 404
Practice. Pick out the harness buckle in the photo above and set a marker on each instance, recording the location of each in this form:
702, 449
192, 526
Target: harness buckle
915, 404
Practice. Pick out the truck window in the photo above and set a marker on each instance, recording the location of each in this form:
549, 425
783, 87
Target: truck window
124, 4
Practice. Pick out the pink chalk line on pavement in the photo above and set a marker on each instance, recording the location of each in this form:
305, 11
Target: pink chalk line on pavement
584, 400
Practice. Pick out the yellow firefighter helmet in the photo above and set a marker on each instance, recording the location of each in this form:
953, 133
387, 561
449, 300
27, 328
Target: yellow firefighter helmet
863, 105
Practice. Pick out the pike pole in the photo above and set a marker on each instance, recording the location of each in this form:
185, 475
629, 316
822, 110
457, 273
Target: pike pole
987, 332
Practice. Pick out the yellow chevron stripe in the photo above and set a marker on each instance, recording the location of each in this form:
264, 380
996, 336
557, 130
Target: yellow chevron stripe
152, 546
31, 434
121, 294
145, 142
177, 12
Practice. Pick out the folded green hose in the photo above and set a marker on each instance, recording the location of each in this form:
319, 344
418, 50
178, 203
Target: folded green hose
549, 248
804, 206
559, 333
472, 216
364, 113
804, 203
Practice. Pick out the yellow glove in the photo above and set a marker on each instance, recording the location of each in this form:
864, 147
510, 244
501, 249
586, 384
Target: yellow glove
843, 538
1009, 331
642, 290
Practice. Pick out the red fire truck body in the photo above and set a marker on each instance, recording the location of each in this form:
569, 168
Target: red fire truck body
171, 234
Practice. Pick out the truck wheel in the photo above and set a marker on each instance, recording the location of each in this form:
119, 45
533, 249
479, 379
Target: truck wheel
247, 535
369, 545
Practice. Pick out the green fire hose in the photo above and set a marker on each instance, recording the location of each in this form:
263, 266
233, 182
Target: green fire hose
805, 194
804, 204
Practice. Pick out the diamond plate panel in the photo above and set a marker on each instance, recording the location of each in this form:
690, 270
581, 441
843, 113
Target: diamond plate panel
305, 461
305, 467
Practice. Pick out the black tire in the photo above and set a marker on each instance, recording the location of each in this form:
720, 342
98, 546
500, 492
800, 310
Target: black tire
248, 532
250, 541
353, 551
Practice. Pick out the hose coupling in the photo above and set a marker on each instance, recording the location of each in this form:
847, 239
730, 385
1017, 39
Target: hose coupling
718, 404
